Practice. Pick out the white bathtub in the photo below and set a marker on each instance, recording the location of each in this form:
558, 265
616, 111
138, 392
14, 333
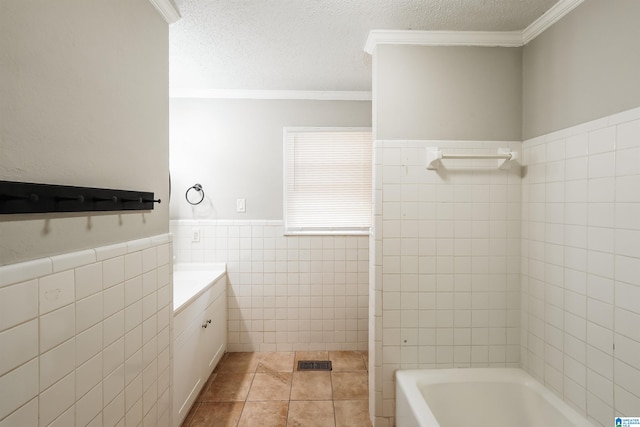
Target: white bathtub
491, 397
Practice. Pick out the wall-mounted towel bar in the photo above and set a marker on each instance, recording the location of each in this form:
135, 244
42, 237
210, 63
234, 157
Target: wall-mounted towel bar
504, 156
195, 200
26, 197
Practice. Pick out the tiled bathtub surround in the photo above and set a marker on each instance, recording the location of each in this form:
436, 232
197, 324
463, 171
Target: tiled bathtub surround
581, 265
445, 281
85, 337
286, 293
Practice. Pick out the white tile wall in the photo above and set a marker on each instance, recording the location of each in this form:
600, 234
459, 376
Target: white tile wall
593, 276
63, 348
285, 292
445, 281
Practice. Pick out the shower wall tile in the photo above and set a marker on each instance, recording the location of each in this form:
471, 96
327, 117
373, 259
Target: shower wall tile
285, 292
62, 336
18, 303
18, 345
445, 278
594, 277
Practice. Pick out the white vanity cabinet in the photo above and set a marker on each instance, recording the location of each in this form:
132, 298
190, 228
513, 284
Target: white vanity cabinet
200, 340
213, 343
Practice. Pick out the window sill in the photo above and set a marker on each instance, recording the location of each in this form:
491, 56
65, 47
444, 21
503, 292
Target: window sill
328, 232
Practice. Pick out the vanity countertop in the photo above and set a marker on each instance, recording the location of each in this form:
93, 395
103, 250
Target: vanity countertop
190, 280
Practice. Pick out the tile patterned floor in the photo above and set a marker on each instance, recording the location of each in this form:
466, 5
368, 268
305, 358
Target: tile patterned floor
265, 389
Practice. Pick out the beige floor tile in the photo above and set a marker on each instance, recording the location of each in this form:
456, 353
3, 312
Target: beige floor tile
239, 362
311, 385
347, 361
189, 417
316, 413
267, 392
219, 414
221, 362
206, 386
272, 414
351, 413
349, 385
228, 387
270, 386
275, 362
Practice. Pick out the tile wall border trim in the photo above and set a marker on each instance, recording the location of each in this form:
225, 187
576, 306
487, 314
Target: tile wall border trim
227, 222
28, 270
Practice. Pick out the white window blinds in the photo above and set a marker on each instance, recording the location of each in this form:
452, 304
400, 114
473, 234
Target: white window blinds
327, 180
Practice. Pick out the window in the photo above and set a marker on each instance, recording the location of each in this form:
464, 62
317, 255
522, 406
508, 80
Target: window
327, 180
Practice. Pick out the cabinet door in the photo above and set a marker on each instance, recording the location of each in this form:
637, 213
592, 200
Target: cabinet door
212, 348
187, 375
220, 318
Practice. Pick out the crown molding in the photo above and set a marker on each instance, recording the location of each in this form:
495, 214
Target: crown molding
167, 9
272, 94
443, 38
550, 17
472, 38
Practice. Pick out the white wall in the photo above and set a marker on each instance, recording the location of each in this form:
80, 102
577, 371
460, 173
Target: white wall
580, 264
580, 209
83, 101
85, 332
579, 196
233, 148
462, 93
86, 339
446, 259
444, 277
582, 68
286, 293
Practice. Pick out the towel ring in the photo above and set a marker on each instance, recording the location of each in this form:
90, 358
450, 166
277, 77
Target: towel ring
199, 189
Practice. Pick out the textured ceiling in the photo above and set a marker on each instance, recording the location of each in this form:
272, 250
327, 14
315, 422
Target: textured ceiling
313, 44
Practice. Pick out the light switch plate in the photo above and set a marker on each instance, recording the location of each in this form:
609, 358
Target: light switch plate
240, 205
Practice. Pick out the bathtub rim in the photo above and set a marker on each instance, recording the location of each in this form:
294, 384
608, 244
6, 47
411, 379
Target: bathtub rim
408, 382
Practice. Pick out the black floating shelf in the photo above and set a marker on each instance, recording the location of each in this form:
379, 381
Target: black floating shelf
25, 197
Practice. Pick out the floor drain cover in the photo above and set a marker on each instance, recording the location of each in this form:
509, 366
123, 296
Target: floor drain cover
314, 365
